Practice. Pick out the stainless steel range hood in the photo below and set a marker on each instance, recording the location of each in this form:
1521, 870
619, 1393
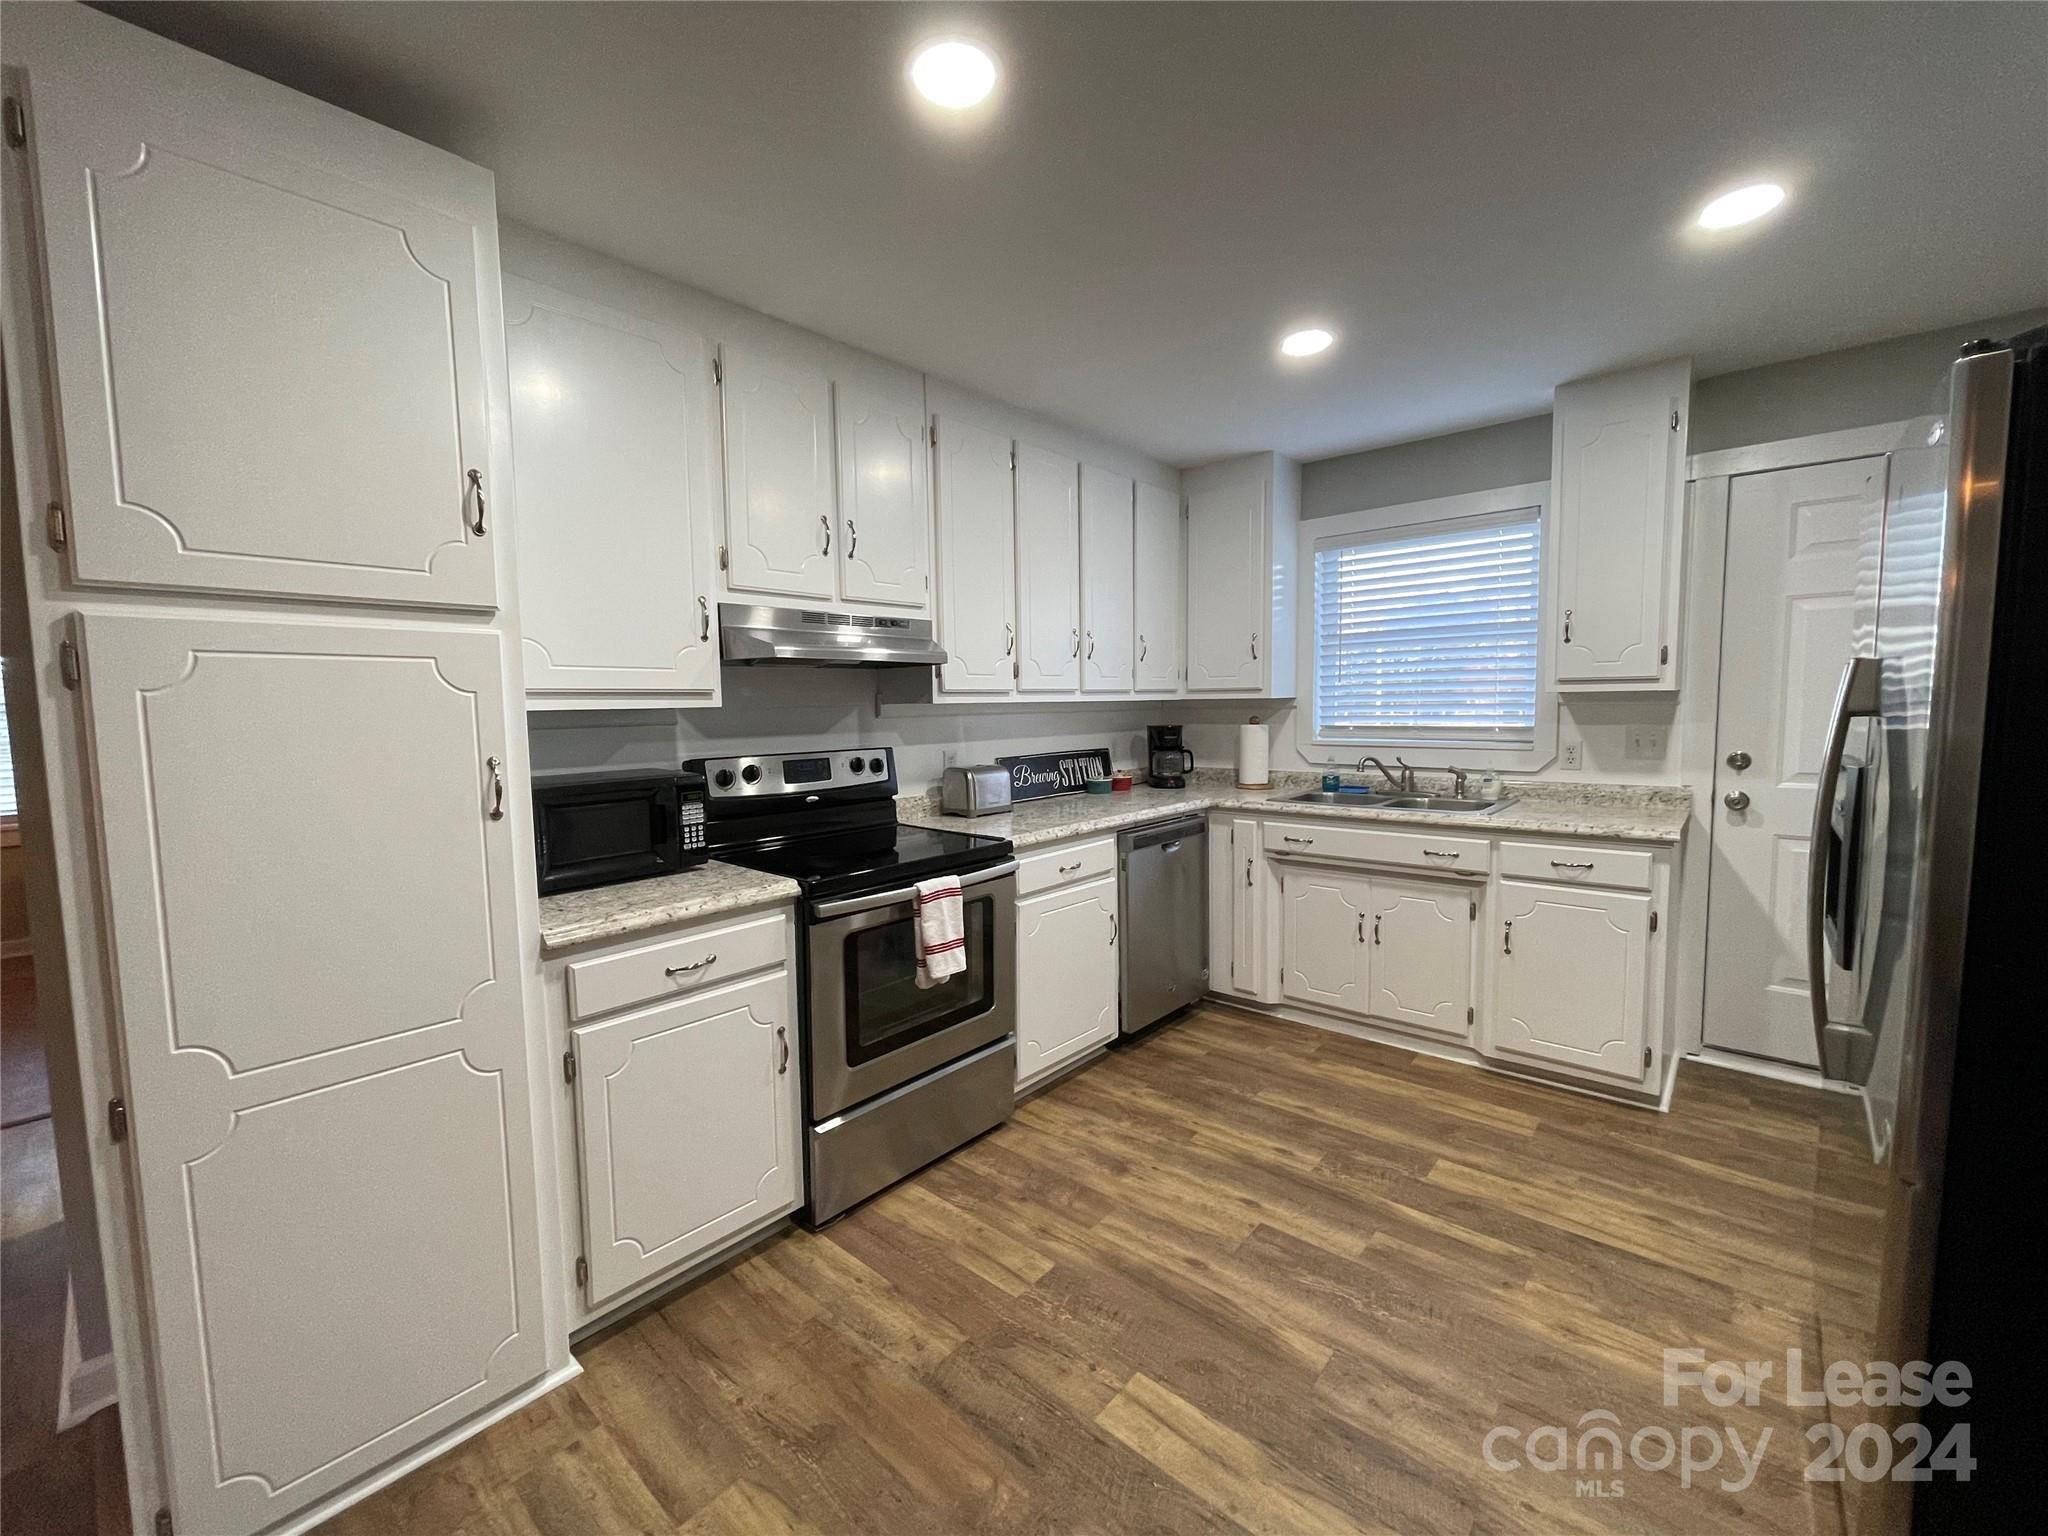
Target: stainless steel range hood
754, 637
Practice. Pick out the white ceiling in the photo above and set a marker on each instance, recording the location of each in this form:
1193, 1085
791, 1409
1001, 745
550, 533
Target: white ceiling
1480, 200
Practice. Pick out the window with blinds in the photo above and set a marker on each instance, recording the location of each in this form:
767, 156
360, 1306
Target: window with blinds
1430, 634
7, 806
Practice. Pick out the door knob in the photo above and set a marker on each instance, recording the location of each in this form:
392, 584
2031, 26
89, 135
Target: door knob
1738, 760
1736, 802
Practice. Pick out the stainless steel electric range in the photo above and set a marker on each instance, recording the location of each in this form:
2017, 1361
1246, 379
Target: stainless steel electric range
894, 1075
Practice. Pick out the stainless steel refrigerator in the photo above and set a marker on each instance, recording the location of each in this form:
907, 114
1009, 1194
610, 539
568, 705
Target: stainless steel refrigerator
1928, 952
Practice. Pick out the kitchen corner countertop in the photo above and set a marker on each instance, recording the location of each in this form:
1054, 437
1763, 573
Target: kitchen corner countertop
620, 911
1621, 812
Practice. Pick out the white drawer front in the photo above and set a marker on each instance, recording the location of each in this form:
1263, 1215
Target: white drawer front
1066, 865
705, 957
1578, 864
1447, 854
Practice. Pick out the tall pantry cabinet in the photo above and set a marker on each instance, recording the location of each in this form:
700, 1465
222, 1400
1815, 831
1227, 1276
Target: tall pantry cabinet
265, 497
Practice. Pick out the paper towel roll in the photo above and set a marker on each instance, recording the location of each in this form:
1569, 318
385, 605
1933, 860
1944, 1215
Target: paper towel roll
1251, 757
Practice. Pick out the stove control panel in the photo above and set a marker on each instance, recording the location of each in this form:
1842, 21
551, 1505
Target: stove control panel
800, 775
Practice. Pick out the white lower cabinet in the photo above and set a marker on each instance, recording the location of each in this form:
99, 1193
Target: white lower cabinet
1238, 909
1420, 941
1068, 965
1571, 979
1322, 938
689, 1117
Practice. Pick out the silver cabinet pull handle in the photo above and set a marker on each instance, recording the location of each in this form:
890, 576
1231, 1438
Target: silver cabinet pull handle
825, 523
1114, 930
1567, 626
476, 484
1009, 638
1438, 853
1255, 645
1247, 874
1361, 927
1077, 642
1507, 938
1375, 927
1091, 645
852, 538
1304, 842
703, 618
1141, 647
497, 788
1739, 801
694, 965
1568, 864
1068, 869
782, 1039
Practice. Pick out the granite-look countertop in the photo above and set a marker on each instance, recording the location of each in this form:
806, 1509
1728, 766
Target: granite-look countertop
619, 911
1636, 813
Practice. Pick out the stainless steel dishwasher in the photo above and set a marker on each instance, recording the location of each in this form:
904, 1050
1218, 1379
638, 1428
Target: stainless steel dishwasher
1164, 919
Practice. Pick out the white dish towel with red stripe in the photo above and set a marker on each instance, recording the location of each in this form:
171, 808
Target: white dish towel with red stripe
941, 939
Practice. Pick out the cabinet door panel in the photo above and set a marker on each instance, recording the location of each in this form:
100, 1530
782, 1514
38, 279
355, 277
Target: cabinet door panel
780, 533
326, 1071
686, 1117
612, 446
977, 555
884, 498
1048, 572
1159, 581
1570, 971
270, 377
1107, 630
1066, 974
1323, 940
1227, 586
1248, 949
1422, 953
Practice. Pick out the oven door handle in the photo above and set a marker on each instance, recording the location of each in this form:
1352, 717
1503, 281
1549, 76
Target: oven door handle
852, 904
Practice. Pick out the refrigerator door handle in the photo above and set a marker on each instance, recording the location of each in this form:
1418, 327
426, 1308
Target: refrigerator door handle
1857, 696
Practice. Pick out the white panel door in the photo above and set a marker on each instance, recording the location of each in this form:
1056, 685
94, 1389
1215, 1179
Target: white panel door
1159, 580
779, 527
1227, 585
1108, 624
1421, 971
1795, 538
1620, 454
612, 445
307, 844
1048, 572
1570, 969
1323, 945
884, 498
1067, 974
977, 560
270, 377
687, 1120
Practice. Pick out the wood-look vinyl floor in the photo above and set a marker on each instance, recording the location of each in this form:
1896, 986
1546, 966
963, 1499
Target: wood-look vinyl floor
1244, 1276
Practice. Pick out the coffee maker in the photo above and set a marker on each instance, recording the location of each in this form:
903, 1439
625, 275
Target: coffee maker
1168, 763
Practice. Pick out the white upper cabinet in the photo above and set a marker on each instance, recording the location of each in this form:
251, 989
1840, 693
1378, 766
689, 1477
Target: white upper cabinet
333, 1161
1108, 632
1241, 576
977, 559
270, 374
781, 530
1571, 979
884, 498
1048, 572
1157, 585
613, 448
1618, 478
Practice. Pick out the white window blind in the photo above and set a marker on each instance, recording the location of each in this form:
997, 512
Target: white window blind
1430, 634
7, 806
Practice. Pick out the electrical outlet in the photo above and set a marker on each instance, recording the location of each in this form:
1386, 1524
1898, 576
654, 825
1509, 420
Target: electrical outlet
1646, 743
1571, 755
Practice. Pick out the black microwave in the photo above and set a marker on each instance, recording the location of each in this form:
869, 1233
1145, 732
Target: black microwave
623, 824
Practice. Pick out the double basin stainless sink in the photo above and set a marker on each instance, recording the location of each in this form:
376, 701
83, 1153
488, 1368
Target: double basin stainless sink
1389, 800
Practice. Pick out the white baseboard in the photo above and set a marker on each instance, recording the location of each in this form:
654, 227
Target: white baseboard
85, 1386
1776, 1071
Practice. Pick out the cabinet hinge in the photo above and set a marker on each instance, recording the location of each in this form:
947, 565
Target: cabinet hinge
1472, 908
582, 1270
723, 564
163, 1523
1663, 655
17, 124
117, 1119
1468, 1015
717, 370
1013, 458
1653, 922
568, 1066
1674, 421
935, 433
67, 662
53, 526
1646, 1058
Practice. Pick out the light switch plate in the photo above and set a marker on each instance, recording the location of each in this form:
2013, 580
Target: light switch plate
1646, 743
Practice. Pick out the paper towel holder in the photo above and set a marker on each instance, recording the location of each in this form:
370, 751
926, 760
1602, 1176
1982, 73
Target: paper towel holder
1253, 771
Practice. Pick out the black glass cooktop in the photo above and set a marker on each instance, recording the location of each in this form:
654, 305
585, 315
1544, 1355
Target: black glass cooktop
871, 859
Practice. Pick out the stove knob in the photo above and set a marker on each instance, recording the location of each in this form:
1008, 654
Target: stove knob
723, 778
856, 765
875, 764
751, 774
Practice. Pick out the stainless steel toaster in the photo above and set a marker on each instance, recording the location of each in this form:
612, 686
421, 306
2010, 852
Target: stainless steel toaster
979, 789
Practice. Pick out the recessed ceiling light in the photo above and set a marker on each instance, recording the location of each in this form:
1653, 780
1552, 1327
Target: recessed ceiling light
1306, 343
953, 74
1741, 205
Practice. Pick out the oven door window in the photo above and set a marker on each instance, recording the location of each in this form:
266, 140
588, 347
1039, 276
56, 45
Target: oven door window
885, 1007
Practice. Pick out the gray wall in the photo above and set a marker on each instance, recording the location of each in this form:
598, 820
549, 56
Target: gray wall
1856, 387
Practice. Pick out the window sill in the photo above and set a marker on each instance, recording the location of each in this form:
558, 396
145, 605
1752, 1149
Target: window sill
1502, 759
